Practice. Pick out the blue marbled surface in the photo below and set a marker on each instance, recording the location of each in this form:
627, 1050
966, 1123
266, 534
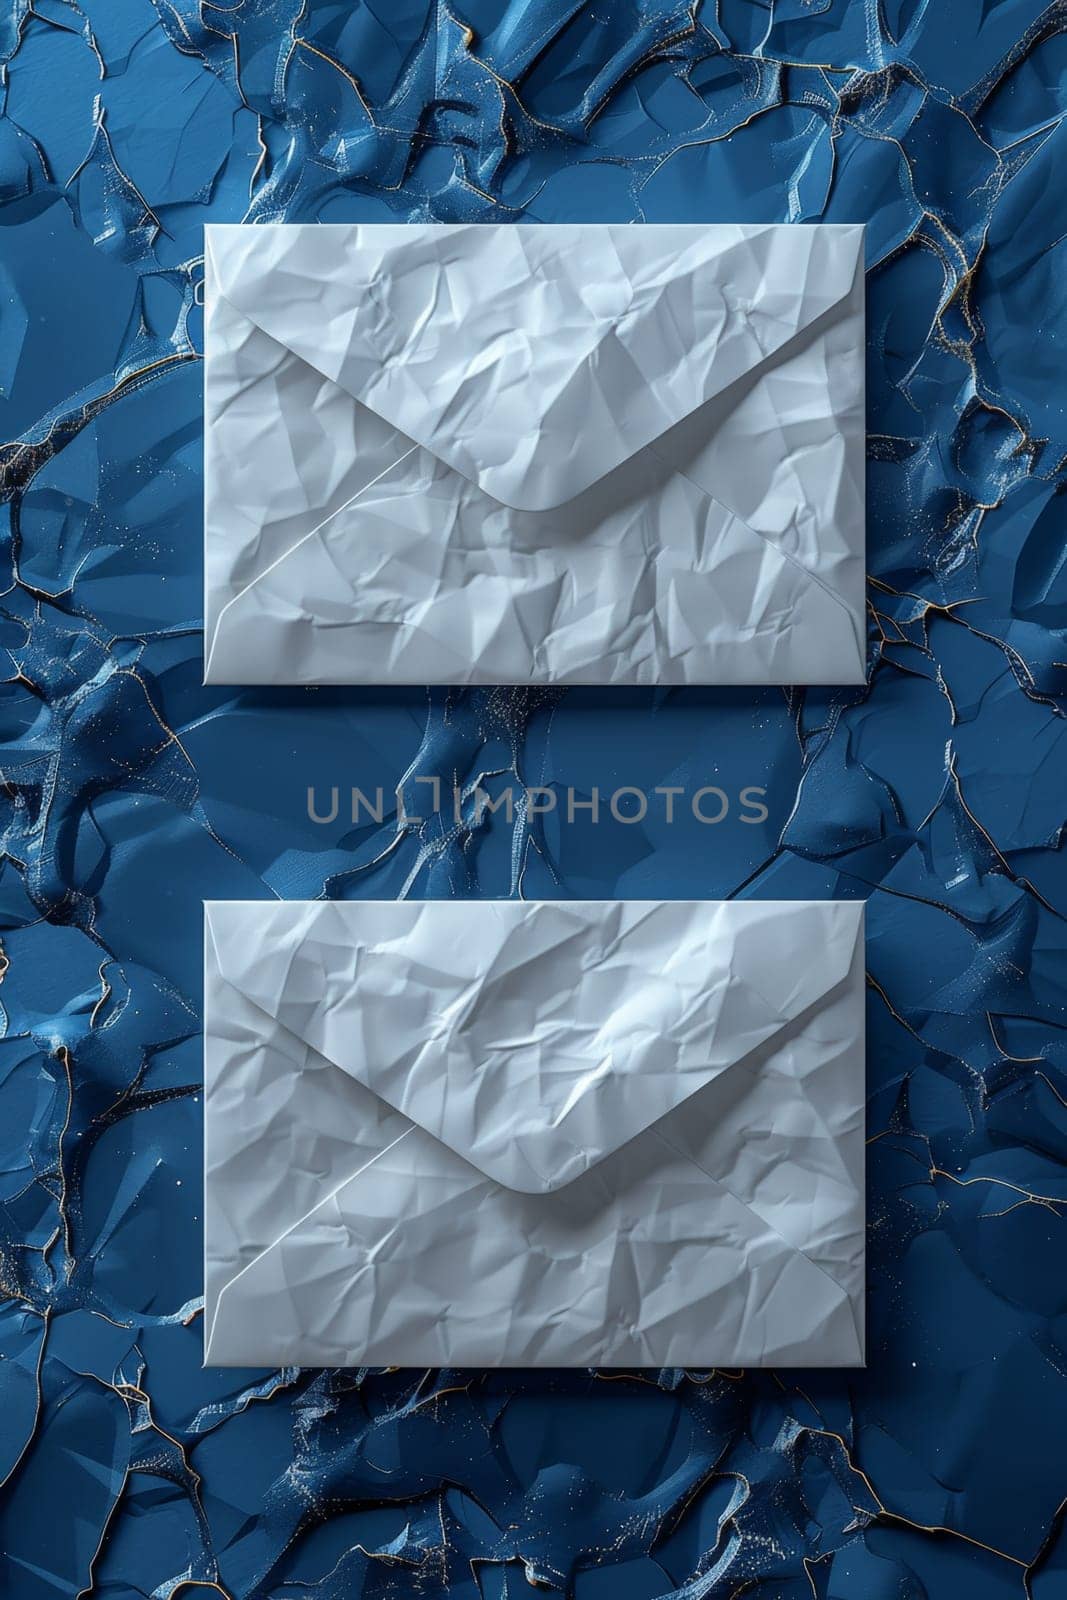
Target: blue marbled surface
129, 793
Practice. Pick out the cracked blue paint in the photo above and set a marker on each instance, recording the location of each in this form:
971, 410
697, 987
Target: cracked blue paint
130, 792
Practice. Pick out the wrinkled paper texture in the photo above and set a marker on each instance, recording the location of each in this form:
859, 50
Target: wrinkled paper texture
514, 454
534, 1134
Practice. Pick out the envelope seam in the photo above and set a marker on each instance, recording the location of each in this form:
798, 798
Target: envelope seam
753, 1210
299, 1223
291, 551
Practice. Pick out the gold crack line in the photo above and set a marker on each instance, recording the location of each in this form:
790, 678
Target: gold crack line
1029, 1196
907, 1522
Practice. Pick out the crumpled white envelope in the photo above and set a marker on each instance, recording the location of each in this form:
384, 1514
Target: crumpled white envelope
534, 454
511, 1133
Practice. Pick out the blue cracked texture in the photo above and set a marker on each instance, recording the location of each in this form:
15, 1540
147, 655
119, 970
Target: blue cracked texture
130, 793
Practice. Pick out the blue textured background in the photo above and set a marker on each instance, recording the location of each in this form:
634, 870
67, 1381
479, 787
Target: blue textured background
129, 793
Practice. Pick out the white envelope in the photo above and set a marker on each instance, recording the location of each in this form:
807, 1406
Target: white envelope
509, 1133
534, 454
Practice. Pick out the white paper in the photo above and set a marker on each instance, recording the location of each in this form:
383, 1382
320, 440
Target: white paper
534, 454
510, 1133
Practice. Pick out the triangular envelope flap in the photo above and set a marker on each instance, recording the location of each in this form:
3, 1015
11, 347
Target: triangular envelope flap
535, 1038
533, 359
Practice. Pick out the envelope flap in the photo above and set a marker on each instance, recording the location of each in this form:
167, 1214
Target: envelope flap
535, 1038
533, 359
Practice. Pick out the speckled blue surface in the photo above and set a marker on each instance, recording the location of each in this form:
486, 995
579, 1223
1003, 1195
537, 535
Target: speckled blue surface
130, 793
